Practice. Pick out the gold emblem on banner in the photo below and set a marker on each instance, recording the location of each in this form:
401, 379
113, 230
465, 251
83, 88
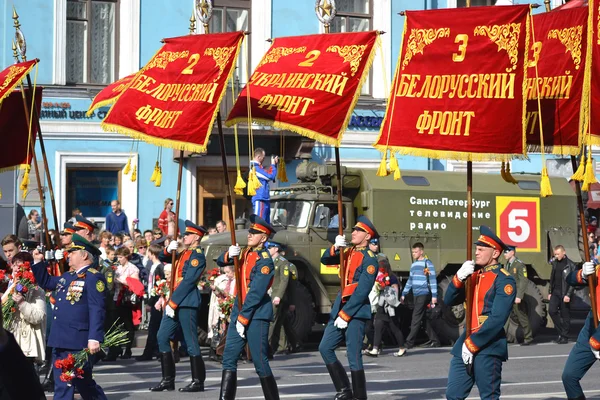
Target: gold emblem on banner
221, 56
571, 39
506, 37
12, 72
164, 58
352, 54
419, 38
275, 54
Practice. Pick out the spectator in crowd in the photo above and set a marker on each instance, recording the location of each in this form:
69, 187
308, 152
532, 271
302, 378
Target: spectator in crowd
137, 259
157, 233
118, 243
423, 283
148, 236
74, 213
105, 237
592, 225
166, 220
29, 323
153, 306
142, 249
34, 225
136, 233
388, 287
560, 294
116, 220
593, 246
261, 201
221, 226
11, 245
124, 296
223, 287
212, 230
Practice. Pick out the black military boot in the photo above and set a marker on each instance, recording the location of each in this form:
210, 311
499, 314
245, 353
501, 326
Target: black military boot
198, 375
228, 385
48, 384
582, 397
167, 365
340, 381
359, 385
269, 387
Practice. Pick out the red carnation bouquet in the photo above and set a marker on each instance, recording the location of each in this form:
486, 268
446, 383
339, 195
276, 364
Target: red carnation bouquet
383, 278
208, 278
226, 305
23, 282
72, 366
161, 288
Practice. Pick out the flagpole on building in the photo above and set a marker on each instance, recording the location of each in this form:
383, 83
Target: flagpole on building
22, 49
204, 9
34, 158
326, 13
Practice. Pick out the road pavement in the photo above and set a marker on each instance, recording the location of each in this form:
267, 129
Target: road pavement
532, 372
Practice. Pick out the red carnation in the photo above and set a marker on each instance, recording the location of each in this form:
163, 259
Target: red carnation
66, 377
58, 364
24, 290
79, 372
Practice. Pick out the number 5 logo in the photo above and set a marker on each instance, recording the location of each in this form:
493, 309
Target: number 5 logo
518, 222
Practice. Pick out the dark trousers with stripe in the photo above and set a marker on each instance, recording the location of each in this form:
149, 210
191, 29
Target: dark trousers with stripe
333, 337
186, 317
257, 337
487, 374
87, 387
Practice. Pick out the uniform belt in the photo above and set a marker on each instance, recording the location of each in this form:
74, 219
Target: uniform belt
348, 291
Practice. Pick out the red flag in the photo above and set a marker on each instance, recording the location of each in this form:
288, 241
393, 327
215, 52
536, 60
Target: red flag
14, 129
110, 94
174, 99
13, 75
458, 91
308, 84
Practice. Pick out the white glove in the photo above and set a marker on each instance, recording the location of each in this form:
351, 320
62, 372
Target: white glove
59, 255
241, 329
340, 241
588, 269
596, 353
172, 246
170, 312
465, 270
467, 356
340, 323
234, 251
49, 255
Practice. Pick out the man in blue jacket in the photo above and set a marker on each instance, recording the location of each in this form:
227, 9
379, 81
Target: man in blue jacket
251, 323
261, 201
78, 316
478, 358
351, 309
182, 309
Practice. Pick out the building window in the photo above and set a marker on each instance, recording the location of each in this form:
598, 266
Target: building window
354, 16
233, 16
91, 41
91, 190
475, 3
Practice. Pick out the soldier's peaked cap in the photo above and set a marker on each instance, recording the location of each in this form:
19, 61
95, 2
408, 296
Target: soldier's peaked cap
82, 223
68, 228
191, 227
259, 225
80, 243
487, 238
365, 225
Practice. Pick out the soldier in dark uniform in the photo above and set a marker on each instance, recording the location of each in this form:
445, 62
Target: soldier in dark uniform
78, 315
351, 309
108, 270
288, 339
518, 270
486, 348
586, 351
181, 310
278, 292
251, 323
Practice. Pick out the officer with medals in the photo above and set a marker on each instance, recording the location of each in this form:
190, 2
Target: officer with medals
586, 351
493, 297
279, 289
251, 323
518, 270
181, 310
351, 309
78, 315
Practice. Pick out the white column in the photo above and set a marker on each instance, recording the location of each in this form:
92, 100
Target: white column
382, 21
59, 76
129, 37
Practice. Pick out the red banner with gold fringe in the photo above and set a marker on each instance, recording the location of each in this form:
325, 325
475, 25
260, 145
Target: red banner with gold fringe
594, 77
110, 94
559, 52
14, 130
12, 76
308, 84
174, 99
459, 91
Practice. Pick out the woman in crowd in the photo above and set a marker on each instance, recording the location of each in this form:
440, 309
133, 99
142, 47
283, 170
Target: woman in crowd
166, 220
222, 288
124, 296
105, 237
388, 289
34, 225
29, 322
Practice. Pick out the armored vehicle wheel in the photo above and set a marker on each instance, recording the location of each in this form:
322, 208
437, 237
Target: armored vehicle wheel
303, 318
536, 310
452, 321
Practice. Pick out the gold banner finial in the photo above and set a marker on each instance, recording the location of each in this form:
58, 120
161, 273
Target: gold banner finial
193, 24
14, 49
15, 17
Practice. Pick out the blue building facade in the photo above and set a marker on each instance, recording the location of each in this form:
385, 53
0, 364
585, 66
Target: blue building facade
85, 44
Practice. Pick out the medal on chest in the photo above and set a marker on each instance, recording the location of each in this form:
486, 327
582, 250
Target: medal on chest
75, 291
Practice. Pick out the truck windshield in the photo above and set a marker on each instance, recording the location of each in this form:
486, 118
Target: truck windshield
291, 213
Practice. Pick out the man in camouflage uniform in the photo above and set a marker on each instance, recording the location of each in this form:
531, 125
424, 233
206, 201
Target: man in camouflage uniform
518, 270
